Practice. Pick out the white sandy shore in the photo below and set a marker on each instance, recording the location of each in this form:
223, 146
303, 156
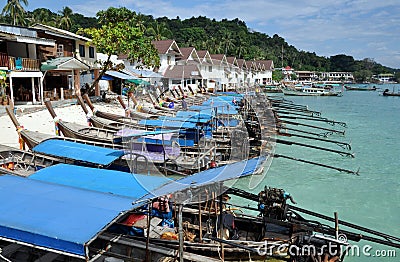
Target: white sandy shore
41, 121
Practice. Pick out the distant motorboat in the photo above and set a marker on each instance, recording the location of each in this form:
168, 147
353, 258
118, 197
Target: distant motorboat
361, 88
388, 93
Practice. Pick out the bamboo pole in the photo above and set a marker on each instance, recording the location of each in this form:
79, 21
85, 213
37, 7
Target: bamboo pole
317, 164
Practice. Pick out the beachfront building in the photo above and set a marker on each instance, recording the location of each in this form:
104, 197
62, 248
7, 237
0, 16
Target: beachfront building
384, 78
20, 63
251, 72
186, 66
264, 72
186, 72
243, 71
68, 65
168, 51
287, 73
233, 73
206, 68
306, 76
336, 76
219, 74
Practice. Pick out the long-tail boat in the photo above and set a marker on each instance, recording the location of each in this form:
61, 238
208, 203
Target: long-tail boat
154, 218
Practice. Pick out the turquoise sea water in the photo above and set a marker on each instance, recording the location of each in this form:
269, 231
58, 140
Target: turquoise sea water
372, 199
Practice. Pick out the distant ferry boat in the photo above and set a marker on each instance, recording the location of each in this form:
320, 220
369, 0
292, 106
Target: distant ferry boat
311, 91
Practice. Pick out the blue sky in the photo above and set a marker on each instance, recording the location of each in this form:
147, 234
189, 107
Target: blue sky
360, 28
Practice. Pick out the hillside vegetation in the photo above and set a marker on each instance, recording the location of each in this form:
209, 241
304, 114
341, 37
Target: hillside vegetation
230, 37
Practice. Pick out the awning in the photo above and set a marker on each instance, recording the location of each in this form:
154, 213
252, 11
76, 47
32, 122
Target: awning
144, 73
119, 75
138, 81
25, 74
35, 40
64, 63
105, 77
56, 217
114, 182
78, 151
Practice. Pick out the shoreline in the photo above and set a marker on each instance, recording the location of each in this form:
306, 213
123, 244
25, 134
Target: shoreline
37, 118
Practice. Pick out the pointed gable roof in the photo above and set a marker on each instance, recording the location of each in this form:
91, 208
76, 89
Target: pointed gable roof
189, 54
167, 47
204, 56
219, 59
242, 63
232, 61
251, 65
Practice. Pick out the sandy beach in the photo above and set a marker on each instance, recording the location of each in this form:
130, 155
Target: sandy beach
37, 118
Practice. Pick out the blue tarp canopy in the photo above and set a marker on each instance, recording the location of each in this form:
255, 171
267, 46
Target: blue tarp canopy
210, 176
168, 124
78, 151
125, 184
54, 216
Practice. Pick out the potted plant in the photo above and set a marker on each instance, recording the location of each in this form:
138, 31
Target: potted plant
3, 88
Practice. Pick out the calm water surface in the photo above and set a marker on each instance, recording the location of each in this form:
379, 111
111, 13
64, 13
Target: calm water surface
372, 199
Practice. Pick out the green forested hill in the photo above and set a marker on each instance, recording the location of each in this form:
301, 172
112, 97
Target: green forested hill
230, 37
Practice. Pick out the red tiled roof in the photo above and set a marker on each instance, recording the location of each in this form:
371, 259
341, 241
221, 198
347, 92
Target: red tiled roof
241, 62
186, 51
201, 53
217, 56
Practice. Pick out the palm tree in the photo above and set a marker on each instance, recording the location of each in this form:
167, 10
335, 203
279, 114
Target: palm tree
227, 41
158, 31
15, 10
140, 22
42, 15
65, 20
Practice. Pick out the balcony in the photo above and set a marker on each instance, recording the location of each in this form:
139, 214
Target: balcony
19, 64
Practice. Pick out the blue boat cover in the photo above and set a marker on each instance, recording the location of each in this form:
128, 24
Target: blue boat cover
210, 176
194, 114
135, 133
78, 151
191, 119
208, 109
168, 124
120, 183
54, 216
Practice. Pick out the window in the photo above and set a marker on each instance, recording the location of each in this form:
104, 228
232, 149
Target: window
209, 68
60, 50
168, 60
91, 52
82, 50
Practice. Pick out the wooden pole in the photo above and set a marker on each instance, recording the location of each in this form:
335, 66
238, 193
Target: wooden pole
180, 232
148, 233
200, 214
221, 227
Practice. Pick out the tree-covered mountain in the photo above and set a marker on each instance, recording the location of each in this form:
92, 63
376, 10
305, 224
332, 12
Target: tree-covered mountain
230, 37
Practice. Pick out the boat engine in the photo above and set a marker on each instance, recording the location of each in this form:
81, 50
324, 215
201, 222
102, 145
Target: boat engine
272, 203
